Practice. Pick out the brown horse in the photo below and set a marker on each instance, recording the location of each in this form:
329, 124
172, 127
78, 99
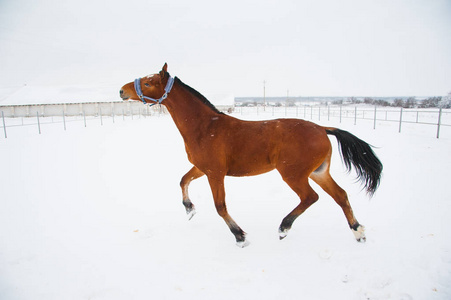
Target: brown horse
219, 145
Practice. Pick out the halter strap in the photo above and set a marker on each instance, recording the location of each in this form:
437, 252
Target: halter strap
167, 89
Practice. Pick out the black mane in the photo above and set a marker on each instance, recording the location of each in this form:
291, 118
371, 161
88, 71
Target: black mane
198, 95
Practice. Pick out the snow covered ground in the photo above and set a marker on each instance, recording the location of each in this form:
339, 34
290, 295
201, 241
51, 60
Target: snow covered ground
96, 213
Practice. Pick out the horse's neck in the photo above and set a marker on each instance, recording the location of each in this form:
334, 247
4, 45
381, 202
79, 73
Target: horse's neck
190, 115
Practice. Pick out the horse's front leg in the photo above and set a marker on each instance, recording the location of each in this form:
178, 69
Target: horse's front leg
217, 188
192, 174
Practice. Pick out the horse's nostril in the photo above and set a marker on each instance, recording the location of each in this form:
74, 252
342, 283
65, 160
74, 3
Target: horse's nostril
122, 95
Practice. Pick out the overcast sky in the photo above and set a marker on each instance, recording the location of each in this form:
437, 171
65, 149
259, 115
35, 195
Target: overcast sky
309, 48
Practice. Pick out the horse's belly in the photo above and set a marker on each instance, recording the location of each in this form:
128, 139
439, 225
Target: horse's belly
241, 173
250, 167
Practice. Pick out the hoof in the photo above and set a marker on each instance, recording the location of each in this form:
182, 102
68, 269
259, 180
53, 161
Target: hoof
360, 234
190, 213
362, 240
283, 233
243, 244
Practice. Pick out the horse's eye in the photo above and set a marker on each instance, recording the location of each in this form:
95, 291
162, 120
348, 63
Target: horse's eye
146, 84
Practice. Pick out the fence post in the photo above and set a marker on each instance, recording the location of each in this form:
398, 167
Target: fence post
4, 126
355, 115
84, 117
340, 111
400, 120
64, 120
328, 112
375, 112
319, 113
311, 112
100, 113
39, 124
112, 115
439, 122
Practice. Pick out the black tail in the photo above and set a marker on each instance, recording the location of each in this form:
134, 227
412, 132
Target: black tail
359, 153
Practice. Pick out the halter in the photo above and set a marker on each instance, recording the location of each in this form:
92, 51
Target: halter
167, 89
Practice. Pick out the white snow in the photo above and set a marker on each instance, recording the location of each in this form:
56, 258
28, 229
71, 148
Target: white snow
96, 213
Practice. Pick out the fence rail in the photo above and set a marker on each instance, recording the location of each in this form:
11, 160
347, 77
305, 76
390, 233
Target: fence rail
37, 115
76, 109
43, 114
434, 117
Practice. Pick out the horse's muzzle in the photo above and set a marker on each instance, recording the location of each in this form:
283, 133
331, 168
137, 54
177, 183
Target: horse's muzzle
123, 96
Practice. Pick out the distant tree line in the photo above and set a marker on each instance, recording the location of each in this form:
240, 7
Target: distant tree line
435, 102
411, 102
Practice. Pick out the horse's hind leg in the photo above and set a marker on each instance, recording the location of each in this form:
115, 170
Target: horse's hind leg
184, 184
323, 179
308, 197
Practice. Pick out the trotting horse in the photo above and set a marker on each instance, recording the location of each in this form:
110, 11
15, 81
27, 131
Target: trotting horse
219, 145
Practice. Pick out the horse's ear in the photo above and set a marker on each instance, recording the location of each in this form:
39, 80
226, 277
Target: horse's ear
164, 71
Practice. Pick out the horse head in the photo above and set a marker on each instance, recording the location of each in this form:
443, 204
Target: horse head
152, 88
